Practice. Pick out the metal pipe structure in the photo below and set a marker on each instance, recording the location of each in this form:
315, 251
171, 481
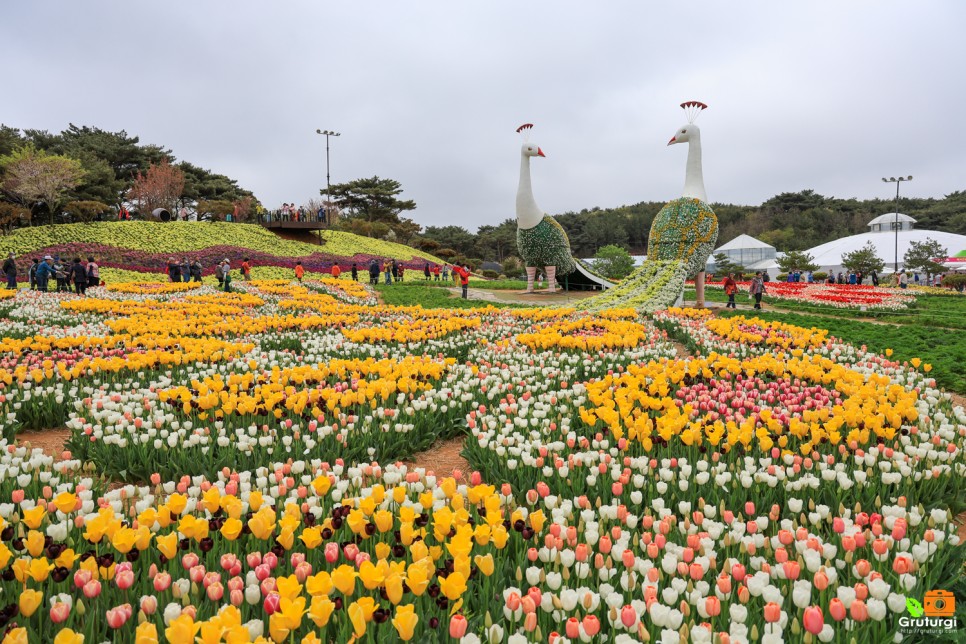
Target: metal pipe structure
327, 134
897, 181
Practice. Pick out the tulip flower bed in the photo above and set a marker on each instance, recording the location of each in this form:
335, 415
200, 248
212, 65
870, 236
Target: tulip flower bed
234, 474
844, 296
131, 247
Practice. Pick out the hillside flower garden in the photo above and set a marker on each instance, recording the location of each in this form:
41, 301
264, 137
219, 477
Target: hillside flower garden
236, 471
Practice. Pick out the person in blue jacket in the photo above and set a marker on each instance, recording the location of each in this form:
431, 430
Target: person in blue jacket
44, 272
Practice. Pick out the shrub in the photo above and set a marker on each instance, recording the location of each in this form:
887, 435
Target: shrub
820, 276
489, 274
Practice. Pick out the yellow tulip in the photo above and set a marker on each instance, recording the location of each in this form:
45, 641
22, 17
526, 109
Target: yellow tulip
321, 610
168, 545
394, 588
371, 577
484, 563
319, 584
17, 636
417, 579
383, 520
5, 555
67, 636
357, 620
453, 586
383, 550
344, 579
39, 569
311, 537
231, 528
34, 516
65, 502
177, 503
124, 539
405, 621
35, 543
30, 600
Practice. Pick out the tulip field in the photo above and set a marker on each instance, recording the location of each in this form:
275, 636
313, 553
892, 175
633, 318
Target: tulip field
237, 470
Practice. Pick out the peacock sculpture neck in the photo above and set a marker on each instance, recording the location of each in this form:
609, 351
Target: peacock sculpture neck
528, 213
694, 177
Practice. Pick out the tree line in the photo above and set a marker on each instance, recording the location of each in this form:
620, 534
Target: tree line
85, 173
791, 221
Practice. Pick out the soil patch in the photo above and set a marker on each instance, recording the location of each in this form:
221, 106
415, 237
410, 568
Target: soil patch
443, 459
50, 440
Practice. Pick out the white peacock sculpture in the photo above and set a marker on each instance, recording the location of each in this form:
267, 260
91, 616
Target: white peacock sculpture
541, 240
681, 240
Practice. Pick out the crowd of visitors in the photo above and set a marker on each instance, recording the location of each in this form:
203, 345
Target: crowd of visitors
65, 275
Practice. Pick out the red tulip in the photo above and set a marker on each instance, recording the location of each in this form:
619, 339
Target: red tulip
836, 609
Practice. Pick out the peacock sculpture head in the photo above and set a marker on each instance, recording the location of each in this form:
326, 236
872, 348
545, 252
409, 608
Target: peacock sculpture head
529, 149
684, 134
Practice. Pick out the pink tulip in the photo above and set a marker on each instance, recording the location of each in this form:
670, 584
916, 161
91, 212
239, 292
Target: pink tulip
513, 601
227, 561
814, 620
530, 622
92, 589
236, 583
196, 574
81, 577
268, 586
271, 559
858, 611
124, 579
236, 597
457, 626
262, 572
331, 552
162, 582
271, 603
773, 612
149, 604
189, 561
254, 558
738, 572
628, 616
836, 609
59, 612
573, 628
116, 617
821, 580
712, 606
216, 591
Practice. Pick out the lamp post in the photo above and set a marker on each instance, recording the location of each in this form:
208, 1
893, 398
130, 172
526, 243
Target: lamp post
898, 181
327, 134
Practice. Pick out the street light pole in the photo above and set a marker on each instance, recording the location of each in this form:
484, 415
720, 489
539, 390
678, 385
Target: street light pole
327, 134
897, 181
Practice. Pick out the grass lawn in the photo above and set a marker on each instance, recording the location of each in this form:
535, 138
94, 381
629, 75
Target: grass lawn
944, 350
490, 285
412, 293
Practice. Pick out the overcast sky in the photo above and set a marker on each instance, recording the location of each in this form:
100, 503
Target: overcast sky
823, 95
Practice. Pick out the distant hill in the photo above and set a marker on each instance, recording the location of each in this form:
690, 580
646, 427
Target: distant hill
141, 247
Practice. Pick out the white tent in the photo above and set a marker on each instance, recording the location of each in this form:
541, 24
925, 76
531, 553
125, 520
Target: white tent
745, 250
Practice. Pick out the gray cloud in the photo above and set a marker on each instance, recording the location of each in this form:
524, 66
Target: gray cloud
829, 96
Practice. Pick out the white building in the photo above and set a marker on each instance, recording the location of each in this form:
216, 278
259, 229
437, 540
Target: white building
888, 237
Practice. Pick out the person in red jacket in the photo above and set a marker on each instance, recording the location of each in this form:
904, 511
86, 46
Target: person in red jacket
246, 270
730, 288
336, 271
464, 273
